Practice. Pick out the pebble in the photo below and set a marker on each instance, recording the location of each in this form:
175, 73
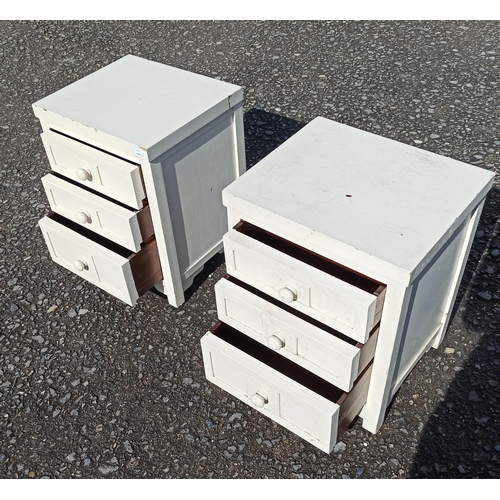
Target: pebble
128, 447
39, 339
72, 313
484, 295
187, 381
473, 396
210, 425
81, 312
65, 398
14, 307
3, 457
339, 447
495, 252
481, 420
449, 350
107, 469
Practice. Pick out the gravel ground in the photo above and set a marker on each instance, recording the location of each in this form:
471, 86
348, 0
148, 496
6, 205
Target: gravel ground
90, 387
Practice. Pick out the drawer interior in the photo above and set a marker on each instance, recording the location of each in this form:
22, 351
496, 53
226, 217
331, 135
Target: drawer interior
277, 362
144, 265
87, 233
93, 191
313, 259
298, 314
350, 403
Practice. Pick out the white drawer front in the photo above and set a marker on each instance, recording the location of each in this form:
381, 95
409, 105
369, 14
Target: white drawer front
102, 216
114, 273
96, 169
309, 346
338, 304
299, 409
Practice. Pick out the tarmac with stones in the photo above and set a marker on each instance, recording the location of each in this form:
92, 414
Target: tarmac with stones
90, 387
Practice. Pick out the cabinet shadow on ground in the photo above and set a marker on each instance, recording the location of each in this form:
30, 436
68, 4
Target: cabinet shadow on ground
462, 436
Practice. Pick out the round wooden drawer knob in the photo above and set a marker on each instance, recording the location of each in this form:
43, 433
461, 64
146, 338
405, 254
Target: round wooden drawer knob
287, 294
82, 217
83, 174
80, 265
275, 342
259, 399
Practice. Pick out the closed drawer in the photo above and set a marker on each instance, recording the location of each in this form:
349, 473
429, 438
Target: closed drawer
332, 294
319, 349
122, 273
106, 173
129, 228
300, 401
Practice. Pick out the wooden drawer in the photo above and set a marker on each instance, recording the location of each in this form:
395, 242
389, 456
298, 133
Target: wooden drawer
300, 401
129, 228
319, 349
122, 273
113, 176
332, 294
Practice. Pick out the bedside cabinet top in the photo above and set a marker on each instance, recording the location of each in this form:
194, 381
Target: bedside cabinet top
141, 102
378, 205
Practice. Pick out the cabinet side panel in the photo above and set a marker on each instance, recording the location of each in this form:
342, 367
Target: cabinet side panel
195, 172
429, 299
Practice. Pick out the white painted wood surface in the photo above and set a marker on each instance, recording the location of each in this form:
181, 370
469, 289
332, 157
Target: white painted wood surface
96, 169
339, 305
177, 128
148, 105
104, 217
397, 214
93, 262
311, 347
295, 407
358, 197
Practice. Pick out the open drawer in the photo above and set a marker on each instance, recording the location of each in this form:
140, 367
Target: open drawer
328, 292
124, 274
90, 166
321, 350
295, 398
121, 224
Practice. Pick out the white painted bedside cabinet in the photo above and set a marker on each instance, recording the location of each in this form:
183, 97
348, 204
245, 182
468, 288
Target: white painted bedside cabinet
140, 153
345, 254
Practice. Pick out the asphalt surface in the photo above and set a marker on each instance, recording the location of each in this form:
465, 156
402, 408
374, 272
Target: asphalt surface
90, 387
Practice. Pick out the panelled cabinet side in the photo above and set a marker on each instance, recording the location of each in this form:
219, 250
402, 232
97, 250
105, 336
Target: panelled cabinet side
459, 272
214, 156
415, 319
